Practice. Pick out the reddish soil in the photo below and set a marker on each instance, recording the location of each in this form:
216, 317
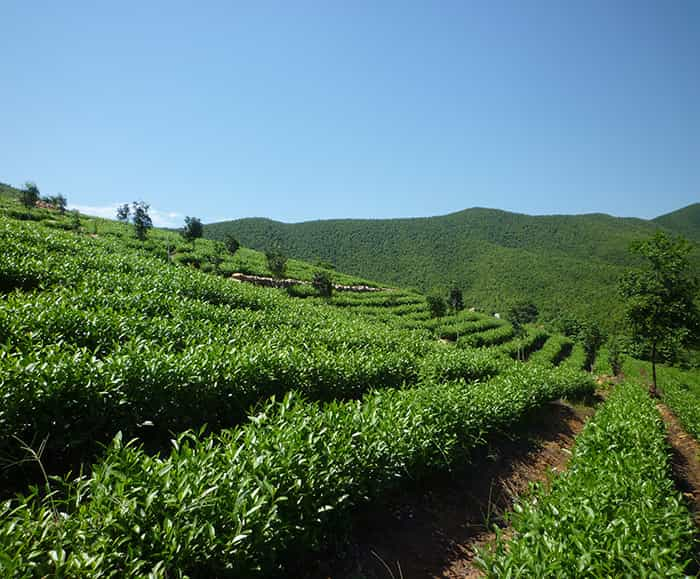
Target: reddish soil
685, 460
431, 529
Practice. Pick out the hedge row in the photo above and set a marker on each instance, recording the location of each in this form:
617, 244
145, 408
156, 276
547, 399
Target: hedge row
613, 513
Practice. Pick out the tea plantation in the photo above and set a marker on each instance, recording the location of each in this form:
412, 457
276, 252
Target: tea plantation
161, 420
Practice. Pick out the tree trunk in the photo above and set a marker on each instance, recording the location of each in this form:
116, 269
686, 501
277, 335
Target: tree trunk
652, 391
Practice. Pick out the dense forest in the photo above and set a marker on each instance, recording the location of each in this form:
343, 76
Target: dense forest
685, 221
566, 265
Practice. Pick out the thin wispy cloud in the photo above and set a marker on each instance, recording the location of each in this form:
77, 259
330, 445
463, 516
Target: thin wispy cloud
166, 218
160, 218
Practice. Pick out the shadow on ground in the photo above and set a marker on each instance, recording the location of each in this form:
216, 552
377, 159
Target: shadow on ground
430, 527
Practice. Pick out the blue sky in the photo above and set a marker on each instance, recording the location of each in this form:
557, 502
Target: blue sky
310, 110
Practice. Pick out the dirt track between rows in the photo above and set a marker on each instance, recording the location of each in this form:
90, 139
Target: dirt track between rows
431, 529
685, 462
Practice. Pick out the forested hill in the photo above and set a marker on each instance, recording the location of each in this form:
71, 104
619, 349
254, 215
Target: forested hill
565, 264
685, 221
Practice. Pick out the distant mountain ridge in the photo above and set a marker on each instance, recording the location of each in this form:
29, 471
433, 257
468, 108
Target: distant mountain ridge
563, 263
685, 221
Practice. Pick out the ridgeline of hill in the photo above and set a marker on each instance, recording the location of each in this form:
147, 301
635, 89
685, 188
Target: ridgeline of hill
685, 221
565, 264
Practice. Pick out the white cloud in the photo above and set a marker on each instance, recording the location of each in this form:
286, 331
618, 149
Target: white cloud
160, 218
107, 211
166, 218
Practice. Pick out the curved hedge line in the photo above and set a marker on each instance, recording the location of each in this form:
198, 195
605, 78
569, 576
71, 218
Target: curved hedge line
96, 337
248, 501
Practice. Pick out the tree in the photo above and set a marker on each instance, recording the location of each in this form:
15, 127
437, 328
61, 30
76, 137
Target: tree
123, 213
524, 312
60, 202
323, 284
615, 355
456, 299
192, 230
569, 325
30, 195
232, 244
216, 255
75, 220
276, 262
141, 218
660, 296
436, 305
592, 338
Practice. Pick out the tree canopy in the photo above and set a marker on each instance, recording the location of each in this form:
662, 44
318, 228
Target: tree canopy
30, 195
323, 283
276, 262
436, 304
661, 296
193, 229
232, 244
523, 312
123, 212
567, 265
59, 202
456, 299
141, 218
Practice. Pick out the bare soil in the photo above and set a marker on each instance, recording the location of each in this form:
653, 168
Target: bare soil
431, 529
685, 462
685, 455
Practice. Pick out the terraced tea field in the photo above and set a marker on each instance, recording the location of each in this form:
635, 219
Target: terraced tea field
159, 420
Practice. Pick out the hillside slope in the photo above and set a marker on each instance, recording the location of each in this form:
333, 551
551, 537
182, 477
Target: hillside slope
685, 221
565, 264
200, 255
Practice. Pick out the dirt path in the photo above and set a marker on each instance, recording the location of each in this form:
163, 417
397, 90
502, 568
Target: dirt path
685, 460
685, 463
685, 457
431, 530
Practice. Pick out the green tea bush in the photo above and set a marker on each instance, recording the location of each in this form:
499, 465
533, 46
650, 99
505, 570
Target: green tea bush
679, 389
397, 310
388, 299
454, 319
613, 513
578, 358
455, 330
556, 349
684, 402
491, 337
97, 339
301, 291
523, 347
249, 501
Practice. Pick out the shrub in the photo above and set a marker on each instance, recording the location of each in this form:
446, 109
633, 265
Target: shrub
323, 284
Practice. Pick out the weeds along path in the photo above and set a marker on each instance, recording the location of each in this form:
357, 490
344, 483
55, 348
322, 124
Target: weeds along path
685, 460
431, 530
